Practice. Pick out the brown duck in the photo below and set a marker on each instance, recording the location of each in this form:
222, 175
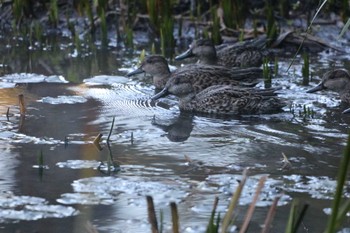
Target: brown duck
235, 55
337, 80
201, 76
221, 99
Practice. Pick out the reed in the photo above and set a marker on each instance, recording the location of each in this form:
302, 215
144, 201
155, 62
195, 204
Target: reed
233, 203
215, 32
295, 218
267, 73
234, 13
53, 13
271, 28
22, 107
175, 217
340, 206
152, 217
153, 9
129, 37
213, 226
101, 6
167, 37
275, 67
18, 7
305, 70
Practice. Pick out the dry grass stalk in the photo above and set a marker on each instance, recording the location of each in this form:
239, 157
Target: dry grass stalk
251, 209
152, 218
175, 217
270, 215
22, 108
234, 200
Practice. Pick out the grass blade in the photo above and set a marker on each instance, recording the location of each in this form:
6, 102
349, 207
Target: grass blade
228, 216
342, 172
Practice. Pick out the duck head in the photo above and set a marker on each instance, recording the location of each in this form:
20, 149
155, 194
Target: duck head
153, 65
203, 49
336, 80
156, 66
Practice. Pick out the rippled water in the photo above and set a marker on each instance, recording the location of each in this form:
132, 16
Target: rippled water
79, 186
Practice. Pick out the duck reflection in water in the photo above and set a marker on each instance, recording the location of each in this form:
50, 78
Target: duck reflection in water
180, 129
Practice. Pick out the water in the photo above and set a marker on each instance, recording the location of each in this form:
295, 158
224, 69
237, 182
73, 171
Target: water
154, 150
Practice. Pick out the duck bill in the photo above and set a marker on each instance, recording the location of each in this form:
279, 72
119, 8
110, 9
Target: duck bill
184, 55
160, 94
346, 111
319, 87
137, 71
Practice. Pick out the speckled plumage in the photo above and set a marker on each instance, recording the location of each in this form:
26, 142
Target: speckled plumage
200, 76
236, 55
221, 99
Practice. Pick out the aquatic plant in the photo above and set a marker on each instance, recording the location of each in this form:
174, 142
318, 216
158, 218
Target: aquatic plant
22, 107
275, 70
213, 225
152, 217
267, 73
53, 13
175, 217
305, 70
215, 29
295, 217
129, 37
340, 205
234, 13
271, 27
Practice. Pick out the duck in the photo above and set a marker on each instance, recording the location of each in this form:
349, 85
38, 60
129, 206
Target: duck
235, 55
221, 99
201, 76
337, 80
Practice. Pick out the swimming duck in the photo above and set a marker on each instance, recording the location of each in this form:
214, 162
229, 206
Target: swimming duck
337, 80
235, 55
201, 76
221, 99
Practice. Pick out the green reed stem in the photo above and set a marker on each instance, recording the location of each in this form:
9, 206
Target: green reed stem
336, 215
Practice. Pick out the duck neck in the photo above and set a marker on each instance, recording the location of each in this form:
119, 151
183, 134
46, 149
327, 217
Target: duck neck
185, 101
210, 60
160, 79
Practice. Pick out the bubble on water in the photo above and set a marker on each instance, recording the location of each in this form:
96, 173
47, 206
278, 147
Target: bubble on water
107, 189
78, 164
14, 208
227, 184
321, 187
10, 80
63, 100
